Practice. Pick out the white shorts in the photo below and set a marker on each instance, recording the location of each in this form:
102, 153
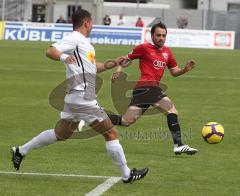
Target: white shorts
77, 108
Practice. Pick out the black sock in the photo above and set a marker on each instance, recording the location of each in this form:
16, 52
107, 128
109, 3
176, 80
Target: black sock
173, 125
116, 119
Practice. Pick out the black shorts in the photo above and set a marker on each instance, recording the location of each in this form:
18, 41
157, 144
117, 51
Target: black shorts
144, 97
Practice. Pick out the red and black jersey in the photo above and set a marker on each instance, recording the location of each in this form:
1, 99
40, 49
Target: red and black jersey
153, 61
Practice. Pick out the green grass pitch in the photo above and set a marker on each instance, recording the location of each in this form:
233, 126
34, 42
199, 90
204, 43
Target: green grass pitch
208, 93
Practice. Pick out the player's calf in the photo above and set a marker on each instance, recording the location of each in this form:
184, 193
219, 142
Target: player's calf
121, 121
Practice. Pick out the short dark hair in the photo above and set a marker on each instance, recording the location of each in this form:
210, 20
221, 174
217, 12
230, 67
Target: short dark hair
158, 25
79, 17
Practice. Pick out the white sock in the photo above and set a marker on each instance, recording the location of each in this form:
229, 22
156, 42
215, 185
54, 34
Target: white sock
115, 149
43, 139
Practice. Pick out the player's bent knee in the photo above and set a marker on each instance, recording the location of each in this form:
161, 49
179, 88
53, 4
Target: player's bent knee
60, 139
64, 129
63, 135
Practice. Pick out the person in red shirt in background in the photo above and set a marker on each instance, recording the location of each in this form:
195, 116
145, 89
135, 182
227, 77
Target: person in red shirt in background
139, 23
154, 58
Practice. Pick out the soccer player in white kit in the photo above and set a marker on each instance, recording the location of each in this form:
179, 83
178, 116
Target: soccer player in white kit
78, 55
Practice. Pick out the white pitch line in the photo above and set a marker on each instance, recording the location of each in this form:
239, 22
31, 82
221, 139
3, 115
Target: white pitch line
56, 175
101, 188
188, 76
213, 77
33, 70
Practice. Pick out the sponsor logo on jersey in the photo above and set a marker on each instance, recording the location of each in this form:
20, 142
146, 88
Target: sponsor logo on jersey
157, 64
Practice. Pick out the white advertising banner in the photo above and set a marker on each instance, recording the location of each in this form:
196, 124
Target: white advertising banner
196, 38
187, 38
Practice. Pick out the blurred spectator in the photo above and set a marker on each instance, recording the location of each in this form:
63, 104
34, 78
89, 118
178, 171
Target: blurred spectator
106, 20
121, 20
182, 22
61, 20
139, 22
69, 19
17, 18
42, 19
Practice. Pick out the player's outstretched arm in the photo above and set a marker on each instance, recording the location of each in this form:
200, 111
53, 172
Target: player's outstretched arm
177, 71
55, 54
122, 62
117, 73
109, 64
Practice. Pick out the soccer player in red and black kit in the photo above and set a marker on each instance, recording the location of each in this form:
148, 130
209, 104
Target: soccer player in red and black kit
154, 58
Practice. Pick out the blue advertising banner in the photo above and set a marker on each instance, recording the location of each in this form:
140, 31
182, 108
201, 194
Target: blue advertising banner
35, 31
53, 32
116, 35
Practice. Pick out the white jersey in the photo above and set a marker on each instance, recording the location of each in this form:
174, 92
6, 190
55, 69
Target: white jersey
81, 76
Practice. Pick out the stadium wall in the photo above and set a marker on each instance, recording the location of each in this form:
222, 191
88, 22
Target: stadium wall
25, 31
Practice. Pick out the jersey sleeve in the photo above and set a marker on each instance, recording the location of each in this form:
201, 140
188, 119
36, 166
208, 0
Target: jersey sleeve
67, 45
136, 53
171, 61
